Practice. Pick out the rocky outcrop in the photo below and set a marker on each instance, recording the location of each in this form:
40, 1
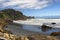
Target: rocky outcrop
45, 28
32, 37
3, 23
55, 34
13, 37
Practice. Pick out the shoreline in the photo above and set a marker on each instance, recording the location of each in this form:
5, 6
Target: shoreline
15, 29
23, 32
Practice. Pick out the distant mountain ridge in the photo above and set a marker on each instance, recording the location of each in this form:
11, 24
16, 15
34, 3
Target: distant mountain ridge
52, 17
49, 17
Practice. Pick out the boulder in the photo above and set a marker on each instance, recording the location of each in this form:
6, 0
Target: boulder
45, 28
55, 34
53, 23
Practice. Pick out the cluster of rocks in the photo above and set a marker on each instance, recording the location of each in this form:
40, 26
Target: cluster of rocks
45, 28
13, 37
32, 37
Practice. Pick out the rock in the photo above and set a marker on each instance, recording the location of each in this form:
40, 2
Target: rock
31, 38
7, 36
51, 38
1, 34
3, 23
1, 39
53, 23
55, 34
6, 31
45, 28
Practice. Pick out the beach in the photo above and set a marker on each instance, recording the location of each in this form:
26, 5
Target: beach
16, 29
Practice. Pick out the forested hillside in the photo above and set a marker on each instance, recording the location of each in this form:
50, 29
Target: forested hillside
12, 14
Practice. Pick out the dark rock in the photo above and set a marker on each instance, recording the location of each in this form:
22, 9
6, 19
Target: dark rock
1, 39
53, 23
30, 38
55, 34
45, 28
6, 31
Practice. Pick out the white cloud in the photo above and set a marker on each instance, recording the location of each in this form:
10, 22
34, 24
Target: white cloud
32, 4
1, 0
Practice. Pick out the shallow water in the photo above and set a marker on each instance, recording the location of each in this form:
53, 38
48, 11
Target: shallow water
34, 28
38, 29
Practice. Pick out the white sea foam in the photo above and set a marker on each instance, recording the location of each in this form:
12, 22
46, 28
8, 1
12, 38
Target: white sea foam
40, 22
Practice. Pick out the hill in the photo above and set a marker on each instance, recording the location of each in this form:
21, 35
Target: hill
12, 14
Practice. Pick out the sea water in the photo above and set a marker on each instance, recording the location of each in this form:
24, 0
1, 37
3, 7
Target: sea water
38, 29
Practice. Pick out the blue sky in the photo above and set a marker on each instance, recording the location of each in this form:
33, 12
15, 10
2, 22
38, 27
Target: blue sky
33, 7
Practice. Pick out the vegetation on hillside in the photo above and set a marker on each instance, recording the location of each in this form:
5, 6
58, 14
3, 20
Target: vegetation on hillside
12, 14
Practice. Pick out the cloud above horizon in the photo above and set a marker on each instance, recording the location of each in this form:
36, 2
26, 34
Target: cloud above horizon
31, 4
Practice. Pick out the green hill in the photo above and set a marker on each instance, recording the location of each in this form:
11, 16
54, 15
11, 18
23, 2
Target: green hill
12, 14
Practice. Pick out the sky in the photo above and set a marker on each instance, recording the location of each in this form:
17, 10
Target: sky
33, 7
